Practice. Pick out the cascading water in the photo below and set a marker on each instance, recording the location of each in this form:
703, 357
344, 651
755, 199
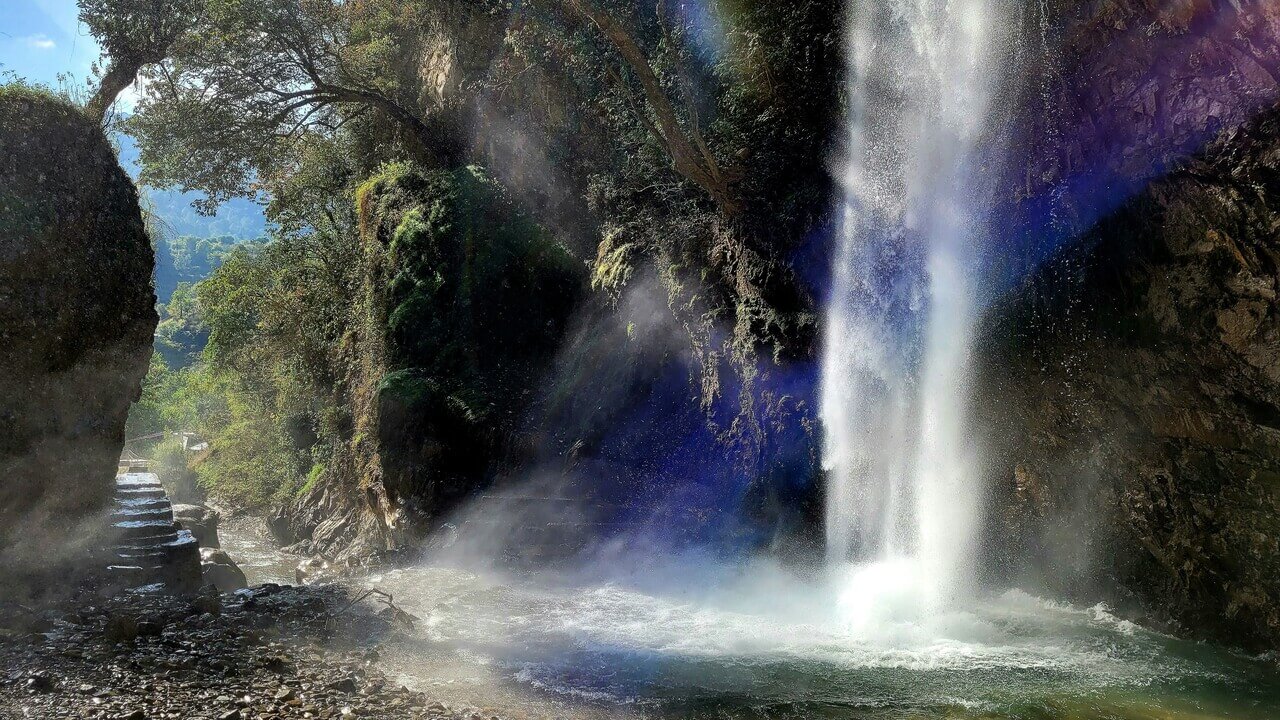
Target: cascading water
902, 496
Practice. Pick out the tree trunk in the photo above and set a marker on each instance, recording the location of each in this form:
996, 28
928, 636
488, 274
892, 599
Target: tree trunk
691, 160
120, 75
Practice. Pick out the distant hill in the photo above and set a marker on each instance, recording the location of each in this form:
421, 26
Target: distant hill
239, 218
188, 259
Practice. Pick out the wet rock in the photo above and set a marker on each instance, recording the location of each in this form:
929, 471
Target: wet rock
275, 664
121, 628
39, 682
219, 570
345, 685
201, 521
206, 603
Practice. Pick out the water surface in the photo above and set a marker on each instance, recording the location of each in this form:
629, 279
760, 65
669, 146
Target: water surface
769, 646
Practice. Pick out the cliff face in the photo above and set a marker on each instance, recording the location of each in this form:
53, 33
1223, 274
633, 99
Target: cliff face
539, 97
1133, 389
76, 320
1117, 91
463, 304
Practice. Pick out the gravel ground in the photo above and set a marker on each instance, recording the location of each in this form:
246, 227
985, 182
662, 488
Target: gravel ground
267, 653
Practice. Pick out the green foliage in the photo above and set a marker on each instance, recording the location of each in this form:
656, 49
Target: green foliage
182, 334
251, 464
477, 293
142, 29
189, 259
147, 414
260, 392
169, 461
259, 82
313, 476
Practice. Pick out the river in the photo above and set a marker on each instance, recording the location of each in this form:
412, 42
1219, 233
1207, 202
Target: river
760, 641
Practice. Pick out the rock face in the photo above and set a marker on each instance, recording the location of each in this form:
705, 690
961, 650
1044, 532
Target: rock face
1134, 392
466, 300
201, 521
76, 319
1129, 86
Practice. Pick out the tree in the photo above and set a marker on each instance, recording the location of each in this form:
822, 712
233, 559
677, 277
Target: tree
182, 333
133, 34
238, 98
688, 150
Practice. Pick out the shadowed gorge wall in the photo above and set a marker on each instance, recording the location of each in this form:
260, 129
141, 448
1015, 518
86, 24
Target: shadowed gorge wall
463, 303
1116, 92
1133, 386
76, 321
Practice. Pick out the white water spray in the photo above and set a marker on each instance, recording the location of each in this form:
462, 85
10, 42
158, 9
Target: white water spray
903, 498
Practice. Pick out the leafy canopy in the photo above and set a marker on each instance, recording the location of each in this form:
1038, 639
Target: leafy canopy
239, 99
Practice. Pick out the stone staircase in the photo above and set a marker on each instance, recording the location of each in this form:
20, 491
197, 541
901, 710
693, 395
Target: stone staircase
146, 548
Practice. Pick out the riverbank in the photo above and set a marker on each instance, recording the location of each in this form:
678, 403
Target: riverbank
267, 653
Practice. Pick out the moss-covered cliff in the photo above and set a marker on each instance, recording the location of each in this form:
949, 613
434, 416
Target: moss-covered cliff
76, 320
463, 303
1133, 387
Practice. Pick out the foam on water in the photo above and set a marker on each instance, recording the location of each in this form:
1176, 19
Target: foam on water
501, 639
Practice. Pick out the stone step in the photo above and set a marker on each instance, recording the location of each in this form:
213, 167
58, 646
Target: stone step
147, 548
139, 486
147, 514
137, 531
143, 502
133, 575
123, 494
129, 556
138, 480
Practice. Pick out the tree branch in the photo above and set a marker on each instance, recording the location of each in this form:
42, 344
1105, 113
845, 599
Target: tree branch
690, 161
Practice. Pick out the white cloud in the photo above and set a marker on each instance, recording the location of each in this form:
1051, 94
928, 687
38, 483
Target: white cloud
40, 41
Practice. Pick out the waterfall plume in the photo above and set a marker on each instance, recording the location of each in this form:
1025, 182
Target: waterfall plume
902, 494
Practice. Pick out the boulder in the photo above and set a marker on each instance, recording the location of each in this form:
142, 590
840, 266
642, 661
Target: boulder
201, 521
77, 315
219, 570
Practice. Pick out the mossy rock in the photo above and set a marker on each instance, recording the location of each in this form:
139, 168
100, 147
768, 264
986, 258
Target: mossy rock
477, 298
76, 315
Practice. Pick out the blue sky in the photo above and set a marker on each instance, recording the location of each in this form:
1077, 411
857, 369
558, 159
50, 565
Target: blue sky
41, 38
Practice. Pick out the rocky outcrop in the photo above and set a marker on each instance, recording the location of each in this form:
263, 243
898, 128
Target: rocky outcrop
464, 301
1115, 92
201, 521
76, 321
1133, 390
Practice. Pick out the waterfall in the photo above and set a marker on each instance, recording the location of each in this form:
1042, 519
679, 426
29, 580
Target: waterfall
902, 491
